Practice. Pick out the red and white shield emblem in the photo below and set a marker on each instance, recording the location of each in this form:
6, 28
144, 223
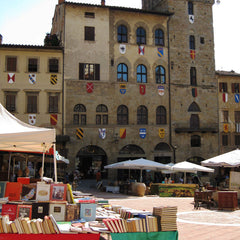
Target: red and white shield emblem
11, 77
89, 87
142, 89
32, 119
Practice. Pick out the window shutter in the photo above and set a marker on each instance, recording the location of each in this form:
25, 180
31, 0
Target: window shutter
81, 71
97, 71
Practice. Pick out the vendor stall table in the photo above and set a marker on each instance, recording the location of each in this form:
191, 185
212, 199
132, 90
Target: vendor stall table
173, 189
145, 236
67, 236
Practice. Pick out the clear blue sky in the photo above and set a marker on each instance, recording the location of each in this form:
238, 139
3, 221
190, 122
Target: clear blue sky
28, 21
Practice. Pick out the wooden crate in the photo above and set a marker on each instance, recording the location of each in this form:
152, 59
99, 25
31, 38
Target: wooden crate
227, 200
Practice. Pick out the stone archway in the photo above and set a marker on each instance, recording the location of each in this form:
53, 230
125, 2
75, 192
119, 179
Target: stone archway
91, 158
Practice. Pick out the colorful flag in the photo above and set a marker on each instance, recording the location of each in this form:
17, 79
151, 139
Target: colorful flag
32, 78
161, 132
53, 79
161, 90
102, 133
53, 119
122, 132
192, 54
89, 87
194, 92
225, 127
191, 18
79, 133
237, 97
142, 132
123, 87
141, 50
11, 78
142, 89
32, 119
225, 97
160, 52
122, 48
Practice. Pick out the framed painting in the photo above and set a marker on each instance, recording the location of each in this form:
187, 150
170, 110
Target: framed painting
58, 192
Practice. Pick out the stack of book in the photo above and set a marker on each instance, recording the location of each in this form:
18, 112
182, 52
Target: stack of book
21, 225
167, 218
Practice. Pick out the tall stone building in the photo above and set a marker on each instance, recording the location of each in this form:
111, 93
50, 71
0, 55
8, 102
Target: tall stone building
138, 82
229, 110
193, 86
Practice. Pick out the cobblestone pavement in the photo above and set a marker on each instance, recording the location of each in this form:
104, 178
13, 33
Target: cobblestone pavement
201, 224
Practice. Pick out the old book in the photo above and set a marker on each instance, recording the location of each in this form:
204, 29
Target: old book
34, 226
13, 227
18, 225
13, 191
39, 224
24, 222
5, 221
23, 180
58, 210
2, 188
46, 227
72, 212
70, 198
9, 229
24, 211
58, 192
40, 209
28, 192
1, 227
11, 210
43, 191
88, 211
55, 225
106, 221
50, 224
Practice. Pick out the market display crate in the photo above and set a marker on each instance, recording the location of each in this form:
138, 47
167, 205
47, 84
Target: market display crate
227, 200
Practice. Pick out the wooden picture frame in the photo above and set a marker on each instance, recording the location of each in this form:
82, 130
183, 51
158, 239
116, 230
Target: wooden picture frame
58, 192
24, 211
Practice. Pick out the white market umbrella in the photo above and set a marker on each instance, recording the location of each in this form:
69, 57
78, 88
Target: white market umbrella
139, 164
189, 167
229, 159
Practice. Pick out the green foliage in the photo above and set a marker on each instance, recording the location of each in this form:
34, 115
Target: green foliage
51, 40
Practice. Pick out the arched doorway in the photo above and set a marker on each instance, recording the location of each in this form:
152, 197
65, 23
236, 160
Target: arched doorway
129, 152
91, 159
165, 151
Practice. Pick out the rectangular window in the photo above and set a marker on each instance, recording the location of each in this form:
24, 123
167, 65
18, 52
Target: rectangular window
235, 88
89, 15
193, 76
32, 103
11, 102
105, 119
53, 65
98, 119
76, 119
32, 65
53, 104
223, 87
190, 8
79, 119
89, 34
237, 140
88, 71
225, 140
225, 116
11, 64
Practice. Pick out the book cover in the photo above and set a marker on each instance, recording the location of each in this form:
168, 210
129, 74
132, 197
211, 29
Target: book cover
10, 210
72, 212
70, 198
55, 225
23, 180
2, 188
40, 209
24, 211
43, 191
58, 210
88, 211
29, 192
13, 191
58, 192
5, 221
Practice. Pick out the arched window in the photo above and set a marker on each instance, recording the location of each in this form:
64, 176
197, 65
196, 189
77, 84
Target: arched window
195, 141
159, 37
101, 115
79, 116
122, 72
193, 76
161, 115
141, 74
122, 115
192, 42
122, 34
141, 36
194, 107
194, 121
142, 115
160, 74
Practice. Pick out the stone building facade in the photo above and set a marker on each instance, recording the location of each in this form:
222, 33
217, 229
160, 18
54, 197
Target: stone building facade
138, 82
229, 110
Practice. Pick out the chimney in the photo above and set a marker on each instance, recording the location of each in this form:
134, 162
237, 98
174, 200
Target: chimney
103, 2
1, 39
61, 1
